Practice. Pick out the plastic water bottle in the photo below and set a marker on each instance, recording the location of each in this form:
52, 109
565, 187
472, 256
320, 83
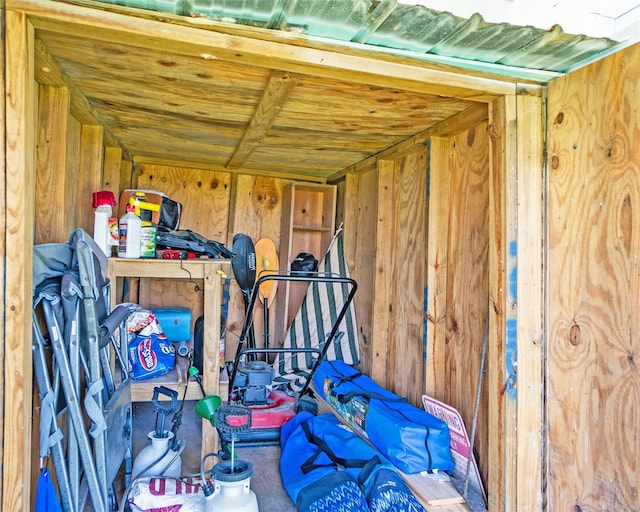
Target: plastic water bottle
129, 227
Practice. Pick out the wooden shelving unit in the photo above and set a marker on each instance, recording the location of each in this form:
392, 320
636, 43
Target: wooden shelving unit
308, 225
209, 272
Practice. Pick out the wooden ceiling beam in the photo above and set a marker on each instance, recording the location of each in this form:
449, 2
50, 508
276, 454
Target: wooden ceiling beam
219, 168
296, 55
274, 96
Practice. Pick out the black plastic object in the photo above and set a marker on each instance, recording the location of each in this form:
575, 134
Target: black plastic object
163, 412
243, 263
189, 240
198, 340
305, 263
170, 212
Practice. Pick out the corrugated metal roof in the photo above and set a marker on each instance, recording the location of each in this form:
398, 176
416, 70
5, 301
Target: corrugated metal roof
409, 30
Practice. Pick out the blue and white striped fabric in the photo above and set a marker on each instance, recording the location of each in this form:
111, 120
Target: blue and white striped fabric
315, 319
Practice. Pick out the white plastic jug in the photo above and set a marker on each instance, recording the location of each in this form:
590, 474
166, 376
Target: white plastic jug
232, 488
130, 228
157, 458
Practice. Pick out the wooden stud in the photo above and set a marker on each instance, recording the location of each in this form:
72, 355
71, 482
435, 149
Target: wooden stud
3, 254
112, 169
382, 263
530, 288
90, 178
51, 163
437, 253
363, 271
210, 356
20, 101
74, 175
501, 354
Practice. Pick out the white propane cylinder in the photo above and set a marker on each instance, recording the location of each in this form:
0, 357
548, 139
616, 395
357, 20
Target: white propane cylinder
130, 227
157, 458
232, 492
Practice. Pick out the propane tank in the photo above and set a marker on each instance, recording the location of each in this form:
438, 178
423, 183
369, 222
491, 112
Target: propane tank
157, 458
231, 488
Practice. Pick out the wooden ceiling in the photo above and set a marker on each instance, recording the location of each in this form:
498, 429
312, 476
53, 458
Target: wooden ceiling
227, 98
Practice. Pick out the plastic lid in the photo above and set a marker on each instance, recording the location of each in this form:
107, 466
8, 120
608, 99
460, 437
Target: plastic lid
103, 198
131, 208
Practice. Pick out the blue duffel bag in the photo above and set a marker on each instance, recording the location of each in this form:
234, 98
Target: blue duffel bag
412, 439
326, 467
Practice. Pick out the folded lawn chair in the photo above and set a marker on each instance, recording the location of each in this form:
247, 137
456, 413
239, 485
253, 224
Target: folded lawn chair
72, 335
314, 321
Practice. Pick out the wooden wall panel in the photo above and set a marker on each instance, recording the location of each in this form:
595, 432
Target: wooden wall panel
205, 198
593, 382
467, 276
405, 359
383, 272
257, 211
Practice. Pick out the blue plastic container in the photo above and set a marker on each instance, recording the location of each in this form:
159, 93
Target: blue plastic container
175, 323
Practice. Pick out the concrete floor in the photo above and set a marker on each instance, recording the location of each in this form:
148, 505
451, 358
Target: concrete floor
265, 482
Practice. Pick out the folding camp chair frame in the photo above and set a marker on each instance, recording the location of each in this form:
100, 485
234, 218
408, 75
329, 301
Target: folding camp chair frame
72, 294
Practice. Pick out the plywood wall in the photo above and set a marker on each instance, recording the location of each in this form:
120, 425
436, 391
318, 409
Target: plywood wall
394, 226
405, 361
593, 382
216, 205
466, 278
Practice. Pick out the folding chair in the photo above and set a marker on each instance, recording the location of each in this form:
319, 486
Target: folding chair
71, 298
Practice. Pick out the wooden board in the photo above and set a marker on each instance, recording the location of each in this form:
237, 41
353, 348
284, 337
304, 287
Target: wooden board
467, 279
434, 494
594, 286
405, 364
266, 264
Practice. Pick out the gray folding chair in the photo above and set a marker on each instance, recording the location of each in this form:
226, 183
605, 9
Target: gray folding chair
71, 299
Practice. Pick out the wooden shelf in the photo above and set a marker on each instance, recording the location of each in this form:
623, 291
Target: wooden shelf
209, 271
142, 390
308, 225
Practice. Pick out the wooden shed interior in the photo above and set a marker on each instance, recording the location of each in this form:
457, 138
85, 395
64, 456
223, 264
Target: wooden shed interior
467, 198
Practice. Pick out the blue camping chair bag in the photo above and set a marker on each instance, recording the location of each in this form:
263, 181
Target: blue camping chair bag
326, 467
412, 439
